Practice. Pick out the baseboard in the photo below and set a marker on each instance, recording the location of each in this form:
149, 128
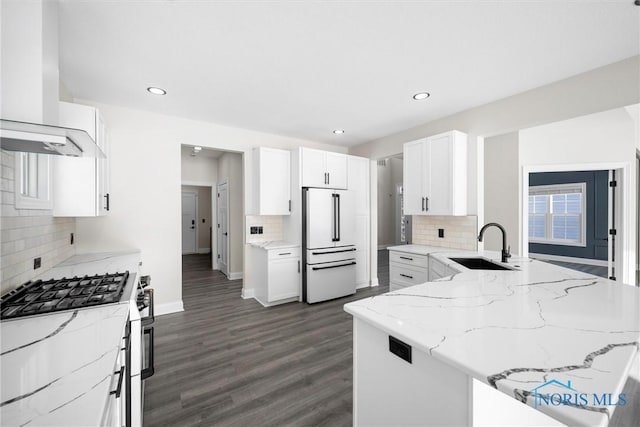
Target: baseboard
234, 275
247, 293
374, 282
168, 308
586, 261
204, 250
362, 285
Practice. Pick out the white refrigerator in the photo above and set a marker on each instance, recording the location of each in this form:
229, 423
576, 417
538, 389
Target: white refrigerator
329, 244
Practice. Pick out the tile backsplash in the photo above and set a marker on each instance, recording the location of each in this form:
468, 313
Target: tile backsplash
271, 228
28, 233
460, 232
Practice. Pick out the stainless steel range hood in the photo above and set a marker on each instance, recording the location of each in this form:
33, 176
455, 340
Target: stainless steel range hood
47, 139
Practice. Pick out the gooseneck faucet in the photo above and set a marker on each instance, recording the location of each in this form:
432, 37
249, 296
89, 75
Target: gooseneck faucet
506, 251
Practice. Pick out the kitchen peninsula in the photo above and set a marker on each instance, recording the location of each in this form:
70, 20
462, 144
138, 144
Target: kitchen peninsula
561, 341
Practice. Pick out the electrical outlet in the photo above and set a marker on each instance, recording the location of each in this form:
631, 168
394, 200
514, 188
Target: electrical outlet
260, 231
37, 263
253, 230
441, 232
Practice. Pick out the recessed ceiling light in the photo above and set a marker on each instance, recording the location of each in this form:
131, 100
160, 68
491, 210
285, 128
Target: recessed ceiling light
196, 148
338, 131
421, 95
156, 90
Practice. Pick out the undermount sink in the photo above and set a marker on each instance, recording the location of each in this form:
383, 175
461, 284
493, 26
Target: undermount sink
479, 264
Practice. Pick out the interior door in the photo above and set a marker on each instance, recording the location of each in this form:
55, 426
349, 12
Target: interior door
223, 228
320, 218
189, 209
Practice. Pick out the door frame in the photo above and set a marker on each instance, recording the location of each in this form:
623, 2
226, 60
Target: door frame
195, 196
224, 181
214, 219
624, 265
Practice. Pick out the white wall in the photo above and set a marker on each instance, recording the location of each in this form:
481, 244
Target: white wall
501, 189
198, 168
145, 183
388, 177
605, 137
605, 88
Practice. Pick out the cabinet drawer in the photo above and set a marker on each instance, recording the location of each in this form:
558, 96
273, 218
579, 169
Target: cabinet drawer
407, 275
284, 253
408, 259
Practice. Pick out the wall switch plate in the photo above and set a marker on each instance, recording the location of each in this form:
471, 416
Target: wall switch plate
37, 263
260, 231
253, 230
440, 232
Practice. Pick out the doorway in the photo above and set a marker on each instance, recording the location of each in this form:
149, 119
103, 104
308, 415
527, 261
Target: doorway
223, 227
189, 222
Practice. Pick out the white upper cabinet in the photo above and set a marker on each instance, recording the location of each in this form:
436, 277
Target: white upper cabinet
323, 169
271, 181
435, 175
81, 184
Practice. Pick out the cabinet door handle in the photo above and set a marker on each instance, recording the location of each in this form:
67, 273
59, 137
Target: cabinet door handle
106, 196
325, 177
328, 178
407, 258
118, 389
406, 275
289, 205
298, 266
423, 204
427, 199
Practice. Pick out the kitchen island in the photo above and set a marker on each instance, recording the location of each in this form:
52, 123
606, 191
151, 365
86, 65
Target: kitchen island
469, 348
58, 369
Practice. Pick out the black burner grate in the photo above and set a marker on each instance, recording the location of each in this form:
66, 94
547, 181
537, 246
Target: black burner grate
62, 294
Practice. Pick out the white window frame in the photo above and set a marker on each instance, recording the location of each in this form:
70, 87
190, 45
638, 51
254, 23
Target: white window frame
44, 200
560, 189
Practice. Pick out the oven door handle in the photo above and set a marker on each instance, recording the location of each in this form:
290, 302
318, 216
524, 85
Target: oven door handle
149, 370
150, 318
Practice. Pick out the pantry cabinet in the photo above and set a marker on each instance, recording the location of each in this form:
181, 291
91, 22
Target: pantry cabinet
81, 184
271, 181
323, 169
435, 175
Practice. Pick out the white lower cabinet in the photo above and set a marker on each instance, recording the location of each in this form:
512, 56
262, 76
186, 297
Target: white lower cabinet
116, 411
277, 275
406, 269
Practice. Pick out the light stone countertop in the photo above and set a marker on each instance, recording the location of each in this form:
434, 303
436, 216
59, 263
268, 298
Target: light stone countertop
279, 244
515, 330
56, 369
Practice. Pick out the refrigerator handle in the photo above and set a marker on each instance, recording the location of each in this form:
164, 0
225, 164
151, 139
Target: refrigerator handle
334, 219
338, 219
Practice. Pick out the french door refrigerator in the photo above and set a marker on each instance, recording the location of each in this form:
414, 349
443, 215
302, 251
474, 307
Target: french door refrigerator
329, 244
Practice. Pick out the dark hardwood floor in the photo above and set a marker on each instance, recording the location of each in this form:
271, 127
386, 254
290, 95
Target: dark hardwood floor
228, 361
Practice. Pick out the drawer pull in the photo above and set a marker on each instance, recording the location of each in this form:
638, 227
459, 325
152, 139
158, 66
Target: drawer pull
407, 258
406, 275
285, 253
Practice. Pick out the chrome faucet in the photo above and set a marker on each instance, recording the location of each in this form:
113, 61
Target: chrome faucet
506, 251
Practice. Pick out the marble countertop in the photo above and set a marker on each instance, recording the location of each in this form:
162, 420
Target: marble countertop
516, 330
279, 244
56, 369
418, 249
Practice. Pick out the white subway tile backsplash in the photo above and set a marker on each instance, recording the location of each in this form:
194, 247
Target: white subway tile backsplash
460, 232
272, 228
27, 233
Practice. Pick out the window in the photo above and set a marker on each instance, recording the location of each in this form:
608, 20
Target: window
557, 214
33, 178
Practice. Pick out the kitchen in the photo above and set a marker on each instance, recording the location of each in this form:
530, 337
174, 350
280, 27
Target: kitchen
146, 138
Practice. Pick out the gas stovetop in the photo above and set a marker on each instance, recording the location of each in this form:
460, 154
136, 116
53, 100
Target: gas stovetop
40, 297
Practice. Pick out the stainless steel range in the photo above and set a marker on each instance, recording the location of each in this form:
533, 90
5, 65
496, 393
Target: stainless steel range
41, 297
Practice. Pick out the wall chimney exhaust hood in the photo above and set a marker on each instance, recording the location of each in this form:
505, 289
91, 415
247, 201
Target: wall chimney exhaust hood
47, 139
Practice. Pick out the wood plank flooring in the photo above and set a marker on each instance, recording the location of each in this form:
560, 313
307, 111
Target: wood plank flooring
228, 361
225, 361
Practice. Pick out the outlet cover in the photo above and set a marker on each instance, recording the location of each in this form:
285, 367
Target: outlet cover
260, 231
37, 263
441, 232
253, 230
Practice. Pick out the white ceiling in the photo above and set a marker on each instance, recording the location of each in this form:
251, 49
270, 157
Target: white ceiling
302, 69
